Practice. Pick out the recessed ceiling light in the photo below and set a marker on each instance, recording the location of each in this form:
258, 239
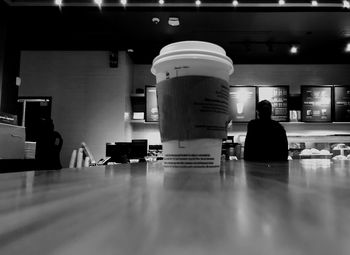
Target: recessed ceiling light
123, 2
281, 2
293, 49
131, 50
314, 3
198, 2
58, 2
174, 21
346, 4
347, 48
161, 2
235, 3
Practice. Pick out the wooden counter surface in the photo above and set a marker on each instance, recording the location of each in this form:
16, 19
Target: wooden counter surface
299, 207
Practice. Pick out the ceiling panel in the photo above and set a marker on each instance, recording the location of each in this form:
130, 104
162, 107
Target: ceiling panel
254, 36
188, 3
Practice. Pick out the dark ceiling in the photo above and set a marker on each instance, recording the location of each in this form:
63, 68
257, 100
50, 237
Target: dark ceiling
250, 34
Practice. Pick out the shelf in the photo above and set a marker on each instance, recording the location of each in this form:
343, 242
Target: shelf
143, 122
299, 123
11, 125
320, 139
137, 95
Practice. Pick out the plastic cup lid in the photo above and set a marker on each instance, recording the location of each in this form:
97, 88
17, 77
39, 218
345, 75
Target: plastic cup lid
190, 49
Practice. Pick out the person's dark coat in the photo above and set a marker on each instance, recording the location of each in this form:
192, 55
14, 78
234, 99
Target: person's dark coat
266, 140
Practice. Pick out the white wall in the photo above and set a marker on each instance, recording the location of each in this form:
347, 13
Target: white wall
89, 98
292, 75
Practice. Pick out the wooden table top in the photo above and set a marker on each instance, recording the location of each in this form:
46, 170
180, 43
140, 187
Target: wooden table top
298, 207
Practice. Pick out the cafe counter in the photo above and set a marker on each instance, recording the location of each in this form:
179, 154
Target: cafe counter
296, 207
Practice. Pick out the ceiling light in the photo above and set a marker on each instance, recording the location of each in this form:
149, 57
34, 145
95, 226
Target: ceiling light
235, 3
98, 2
123, 2
161, 2
281, 2
58, 2
155, 20
174, 21
347, 48
314, 3
130, 50
294, 49
346, 4
198, 2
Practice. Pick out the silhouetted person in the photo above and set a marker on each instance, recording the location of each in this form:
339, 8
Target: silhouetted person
48, 146
266, 139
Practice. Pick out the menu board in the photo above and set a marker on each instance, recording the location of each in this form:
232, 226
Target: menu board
151, 104
342, 103
278, 96
243, 103
316, 103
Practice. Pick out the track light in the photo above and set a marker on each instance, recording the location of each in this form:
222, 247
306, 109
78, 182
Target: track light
98, 2
294, 49
235, 3
347, 48
58, 3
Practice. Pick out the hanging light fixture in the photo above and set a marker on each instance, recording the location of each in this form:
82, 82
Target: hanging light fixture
281, 2
347, 48
314, 3
198, 2
235, 3
98, 2
346, 4
58, 3
161, 2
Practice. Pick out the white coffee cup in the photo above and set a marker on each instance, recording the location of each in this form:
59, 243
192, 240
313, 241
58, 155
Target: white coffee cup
194, 60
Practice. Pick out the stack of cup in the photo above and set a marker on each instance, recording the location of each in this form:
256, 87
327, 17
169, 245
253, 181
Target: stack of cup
193, 101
